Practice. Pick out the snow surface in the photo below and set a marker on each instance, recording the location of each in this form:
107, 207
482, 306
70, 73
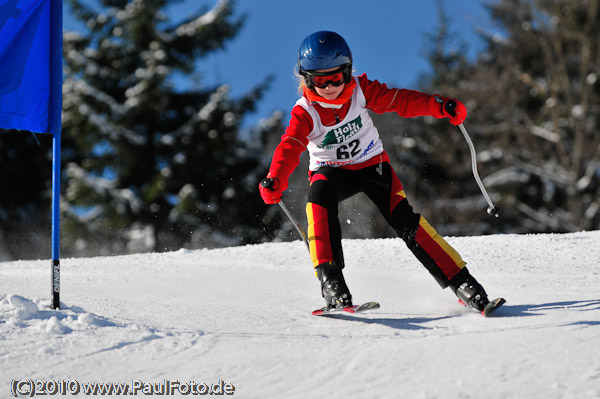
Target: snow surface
242, 315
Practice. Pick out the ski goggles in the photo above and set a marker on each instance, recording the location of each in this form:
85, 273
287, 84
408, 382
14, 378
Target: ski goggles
321, 80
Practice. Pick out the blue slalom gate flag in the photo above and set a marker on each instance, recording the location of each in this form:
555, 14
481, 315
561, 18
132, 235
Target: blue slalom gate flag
31, 65
31, 88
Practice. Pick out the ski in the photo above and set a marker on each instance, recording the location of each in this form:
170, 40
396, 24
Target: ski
490, 307
348, 309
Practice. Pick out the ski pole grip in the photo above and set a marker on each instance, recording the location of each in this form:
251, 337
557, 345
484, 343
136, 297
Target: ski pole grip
269, 182
450, 107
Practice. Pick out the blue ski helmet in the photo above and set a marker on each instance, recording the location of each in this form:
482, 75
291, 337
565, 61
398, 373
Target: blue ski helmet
323, 50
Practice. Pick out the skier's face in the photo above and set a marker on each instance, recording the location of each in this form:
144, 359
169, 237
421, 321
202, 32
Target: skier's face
329, 92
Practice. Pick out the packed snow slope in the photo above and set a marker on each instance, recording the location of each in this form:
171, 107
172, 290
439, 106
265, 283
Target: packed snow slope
242, 316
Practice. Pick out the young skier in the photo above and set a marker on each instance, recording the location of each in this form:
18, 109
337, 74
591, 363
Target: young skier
331, 120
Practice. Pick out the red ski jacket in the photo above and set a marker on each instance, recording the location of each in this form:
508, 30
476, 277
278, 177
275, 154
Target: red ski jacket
380, 99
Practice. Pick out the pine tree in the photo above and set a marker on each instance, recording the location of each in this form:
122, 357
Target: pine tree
532, 95
155, 166
538, 92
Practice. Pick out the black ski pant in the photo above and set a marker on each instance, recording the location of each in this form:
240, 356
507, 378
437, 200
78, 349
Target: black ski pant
329, 186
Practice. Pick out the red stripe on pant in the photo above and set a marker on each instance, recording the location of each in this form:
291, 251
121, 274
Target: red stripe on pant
319, 239
444, 256
397, 193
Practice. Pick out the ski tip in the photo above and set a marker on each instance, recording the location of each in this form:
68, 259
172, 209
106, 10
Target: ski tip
368, 306
492, 306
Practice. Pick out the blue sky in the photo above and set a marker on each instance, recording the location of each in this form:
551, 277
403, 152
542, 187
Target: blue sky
386, 37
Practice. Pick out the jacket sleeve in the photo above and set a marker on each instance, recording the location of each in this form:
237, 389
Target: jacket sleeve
293, 143
406, 103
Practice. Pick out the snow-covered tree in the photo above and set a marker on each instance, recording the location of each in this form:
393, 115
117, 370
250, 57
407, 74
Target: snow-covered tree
156, 159
533, 100
537, 95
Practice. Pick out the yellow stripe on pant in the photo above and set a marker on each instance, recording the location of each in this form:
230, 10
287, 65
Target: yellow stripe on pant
445, 257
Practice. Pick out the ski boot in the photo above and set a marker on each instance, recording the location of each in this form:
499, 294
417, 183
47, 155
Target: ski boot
333, 286
471, 293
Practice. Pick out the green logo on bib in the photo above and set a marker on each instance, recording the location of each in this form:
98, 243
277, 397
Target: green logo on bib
341, 134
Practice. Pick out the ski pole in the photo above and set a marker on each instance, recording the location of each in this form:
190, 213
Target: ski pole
267, 183
492, 209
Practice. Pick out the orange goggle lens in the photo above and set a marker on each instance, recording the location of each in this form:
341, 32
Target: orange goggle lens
323, 81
